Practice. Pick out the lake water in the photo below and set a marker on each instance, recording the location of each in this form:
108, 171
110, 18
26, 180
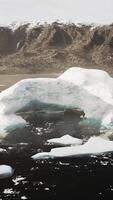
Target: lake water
8, 80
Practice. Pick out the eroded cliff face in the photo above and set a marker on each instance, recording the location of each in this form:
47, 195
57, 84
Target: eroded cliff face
55, 47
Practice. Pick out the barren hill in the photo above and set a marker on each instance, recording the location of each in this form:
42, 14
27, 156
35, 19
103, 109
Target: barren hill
55, 47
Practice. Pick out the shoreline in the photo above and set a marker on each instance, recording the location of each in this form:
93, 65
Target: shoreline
7, 80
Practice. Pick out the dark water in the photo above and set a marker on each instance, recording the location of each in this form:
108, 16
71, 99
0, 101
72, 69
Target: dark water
69, 178
58, 179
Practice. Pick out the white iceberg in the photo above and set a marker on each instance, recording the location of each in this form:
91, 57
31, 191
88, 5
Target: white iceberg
65, 140
6, 171
87, 89
95, 145
39, 92
97, 82
9, 123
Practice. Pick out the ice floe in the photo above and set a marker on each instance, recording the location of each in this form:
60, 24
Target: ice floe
65, 140
6, 171
95, 145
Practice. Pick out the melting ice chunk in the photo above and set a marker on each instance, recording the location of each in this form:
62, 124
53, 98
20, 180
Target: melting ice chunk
6, 171
9, 123
95, 145
90, 90
65, 140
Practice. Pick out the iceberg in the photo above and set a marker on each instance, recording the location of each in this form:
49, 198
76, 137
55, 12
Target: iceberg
87, 89
95, 145
97, 82
65, 140
6, 171
43, 92
9, 123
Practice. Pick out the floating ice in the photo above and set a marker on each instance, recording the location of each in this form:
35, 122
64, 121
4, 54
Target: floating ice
88, 89
3, 150
95, 145
96, 82
65, 140
6, 171
9, 123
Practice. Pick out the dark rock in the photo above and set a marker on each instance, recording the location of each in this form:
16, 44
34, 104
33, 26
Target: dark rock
6, 41
55, 47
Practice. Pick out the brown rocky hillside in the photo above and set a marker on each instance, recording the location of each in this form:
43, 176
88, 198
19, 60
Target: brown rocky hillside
55, 47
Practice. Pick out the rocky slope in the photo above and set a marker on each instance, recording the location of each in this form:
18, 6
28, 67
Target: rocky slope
55, 47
